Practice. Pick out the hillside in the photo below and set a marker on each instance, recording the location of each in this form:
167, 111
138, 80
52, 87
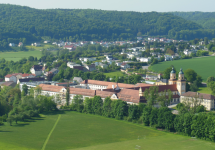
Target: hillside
205, 19
202, 66
87, 24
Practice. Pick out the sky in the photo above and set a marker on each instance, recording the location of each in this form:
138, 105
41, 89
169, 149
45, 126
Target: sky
120, 5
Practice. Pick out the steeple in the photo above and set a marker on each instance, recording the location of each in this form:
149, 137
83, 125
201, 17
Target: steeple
173, 71
181, 83
181, 75
172, 79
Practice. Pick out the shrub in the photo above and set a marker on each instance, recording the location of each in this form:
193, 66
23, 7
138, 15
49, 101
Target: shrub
129, 119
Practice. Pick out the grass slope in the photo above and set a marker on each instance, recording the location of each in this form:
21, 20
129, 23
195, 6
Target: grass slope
204, 66
88, 132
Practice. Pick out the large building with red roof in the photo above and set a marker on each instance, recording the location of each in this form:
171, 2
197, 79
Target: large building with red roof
132, 94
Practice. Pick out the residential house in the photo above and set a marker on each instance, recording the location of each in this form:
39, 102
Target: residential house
20, 44
36, 69
13, 77
16, 76
36, 44
130, 56
103, 65
46, 42
108, 58
8, 83
118, 63
189, 52
168, 58
70, 47
143, 59
72, 65
11, 44
91, 67
125, 66
77, 79
53, 71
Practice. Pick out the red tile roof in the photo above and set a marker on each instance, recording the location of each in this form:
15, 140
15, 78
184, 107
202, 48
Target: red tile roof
79, 91
198, 95
26, 75
14, 74
52, 88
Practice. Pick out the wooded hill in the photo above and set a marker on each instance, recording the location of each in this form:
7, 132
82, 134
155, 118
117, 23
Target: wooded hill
88, 24
20, 23
205, 19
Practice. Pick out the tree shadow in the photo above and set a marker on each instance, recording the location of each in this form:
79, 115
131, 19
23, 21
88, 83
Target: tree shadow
20, 124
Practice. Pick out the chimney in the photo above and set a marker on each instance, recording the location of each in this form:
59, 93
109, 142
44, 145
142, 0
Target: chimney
113, 86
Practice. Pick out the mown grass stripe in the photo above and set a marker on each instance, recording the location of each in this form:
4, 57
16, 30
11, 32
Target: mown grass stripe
50, 133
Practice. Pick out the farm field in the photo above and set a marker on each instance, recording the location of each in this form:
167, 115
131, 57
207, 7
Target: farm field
76, 131
204, 66
116, 73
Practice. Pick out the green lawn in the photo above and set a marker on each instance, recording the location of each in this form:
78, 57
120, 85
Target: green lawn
205, 90
116, 73
203, 66
90, 132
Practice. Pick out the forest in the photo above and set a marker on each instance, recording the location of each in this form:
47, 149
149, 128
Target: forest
205, 19
25, 24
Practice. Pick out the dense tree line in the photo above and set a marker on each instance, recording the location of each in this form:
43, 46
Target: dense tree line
16, 106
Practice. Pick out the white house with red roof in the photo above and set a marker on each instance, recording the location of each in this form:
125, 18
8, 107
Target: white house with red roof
16, 76
125, 66
10, 77
70, 47
20, 44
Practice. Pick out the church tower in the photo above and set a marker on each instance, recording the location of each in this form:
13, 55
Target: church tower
181, 83
172, 79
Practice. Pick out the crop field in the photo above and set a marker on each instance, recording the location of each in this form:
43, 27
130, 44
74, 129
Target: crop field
204, 66
72, 130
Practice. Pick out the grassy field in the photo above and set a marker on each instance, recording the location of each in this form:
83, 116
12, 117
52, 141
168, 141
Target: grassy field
16, 56
205, 90
72, 130
203, 66
116, 73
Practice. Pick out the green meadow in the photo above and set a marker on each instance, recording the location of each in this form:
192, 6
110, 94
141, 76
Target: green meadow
116, 73
76, 131
204, 66
16, 56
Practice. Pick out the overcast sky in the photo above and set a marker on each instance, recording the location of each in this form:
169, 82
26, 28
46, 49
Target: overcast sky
121, 5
